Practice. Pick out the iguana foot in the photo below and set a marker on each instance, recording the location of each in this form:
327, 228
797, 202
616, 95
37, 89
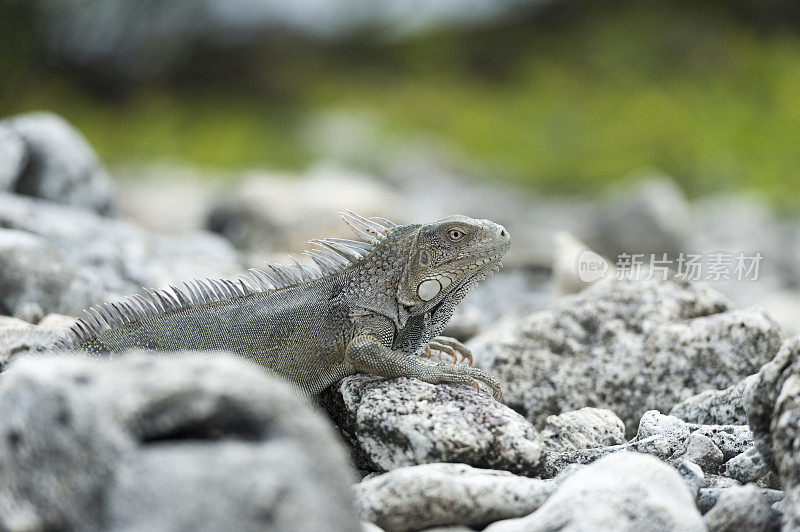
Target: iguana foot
367, 354
448, 373
452, 347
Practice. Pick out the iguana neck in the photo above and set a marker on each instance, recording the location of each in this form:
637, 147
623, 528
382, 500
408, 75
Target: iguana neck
372, 284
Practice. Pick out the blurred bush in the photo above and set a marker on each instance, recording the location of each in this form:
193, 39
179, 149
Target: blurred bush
563, 95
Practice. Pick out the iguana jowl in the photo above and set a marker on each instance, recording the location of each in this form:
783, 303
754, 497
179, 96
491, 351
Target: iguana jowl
369, 306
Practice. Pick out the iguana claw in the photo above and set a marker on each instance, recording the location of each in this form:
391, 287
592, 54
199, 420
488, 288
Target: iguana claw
452, 347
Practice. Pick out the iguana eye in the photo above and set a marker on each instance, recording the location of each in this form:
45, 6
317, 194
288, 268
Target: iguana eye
455, 235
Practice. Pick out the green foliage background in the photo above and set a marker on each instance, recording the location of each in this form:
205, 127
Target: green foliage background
563, 101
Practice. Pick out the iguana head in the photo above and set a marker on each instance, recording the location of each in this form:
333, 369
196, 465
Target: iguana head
448, 257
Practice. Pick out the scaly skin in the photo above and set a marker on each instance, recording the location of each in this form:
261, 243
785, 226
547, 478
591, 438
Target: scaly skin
383, 303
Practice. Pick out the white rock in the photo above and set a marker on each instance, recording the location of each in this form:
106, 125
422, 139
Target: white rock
621, 492
423, 496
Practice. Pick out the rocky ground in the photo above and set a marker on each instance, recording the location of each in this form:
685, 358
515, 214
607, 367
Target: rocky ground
628, 404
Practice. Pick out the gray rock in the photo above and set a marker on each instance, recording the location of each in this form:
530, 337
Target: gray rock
708, 497
742, 508
557, 463
700, 450
660, 435
733, 223
773, 411
13, 157
123, 256
276, 212
35, 272
582, 429
692, 475
731, 439
418, 497
512, 292
763, 413
168, 198
625, 491
626, 346
18, 337
188, 441
746, 467
650, 216
714, 407
712, 480
443, 423
59, 165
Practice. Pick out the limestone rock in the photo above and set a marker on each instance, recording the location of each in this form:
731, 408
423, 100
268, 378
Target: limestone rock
700, 450
13, 156
35, 272
625, 491
746, 467
582, 429
18, 337
742, 508
730, 439
273, 212
708, 497
121, 255
393, 423
661, 435
773, 411
59, 165
627, 346
714, 407
185, 441
419, 497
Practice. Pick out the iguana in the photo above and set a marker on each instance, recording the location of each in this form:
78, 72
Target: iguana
372, 305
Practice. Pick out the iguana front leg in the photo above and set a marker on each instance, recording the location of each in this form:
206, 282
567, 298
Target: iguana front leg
368, 355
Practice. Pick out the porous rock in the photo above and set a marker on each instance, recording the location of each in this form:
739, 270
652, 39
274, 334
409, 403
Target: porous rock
624, 491
714, 407
58, 164
708, 497
730, 439
661, 435
627, 346
122, 255
18, 337
12, 157
760, 401
747, 466
35, 273
773, 411
742, 508
263, 213
393, 423
692, 475
180, 442
582, 429
650, 216
700, 450
419, 497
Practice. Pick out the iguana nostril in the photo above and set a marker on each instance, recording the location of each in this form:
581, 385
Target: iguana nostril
503, 233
